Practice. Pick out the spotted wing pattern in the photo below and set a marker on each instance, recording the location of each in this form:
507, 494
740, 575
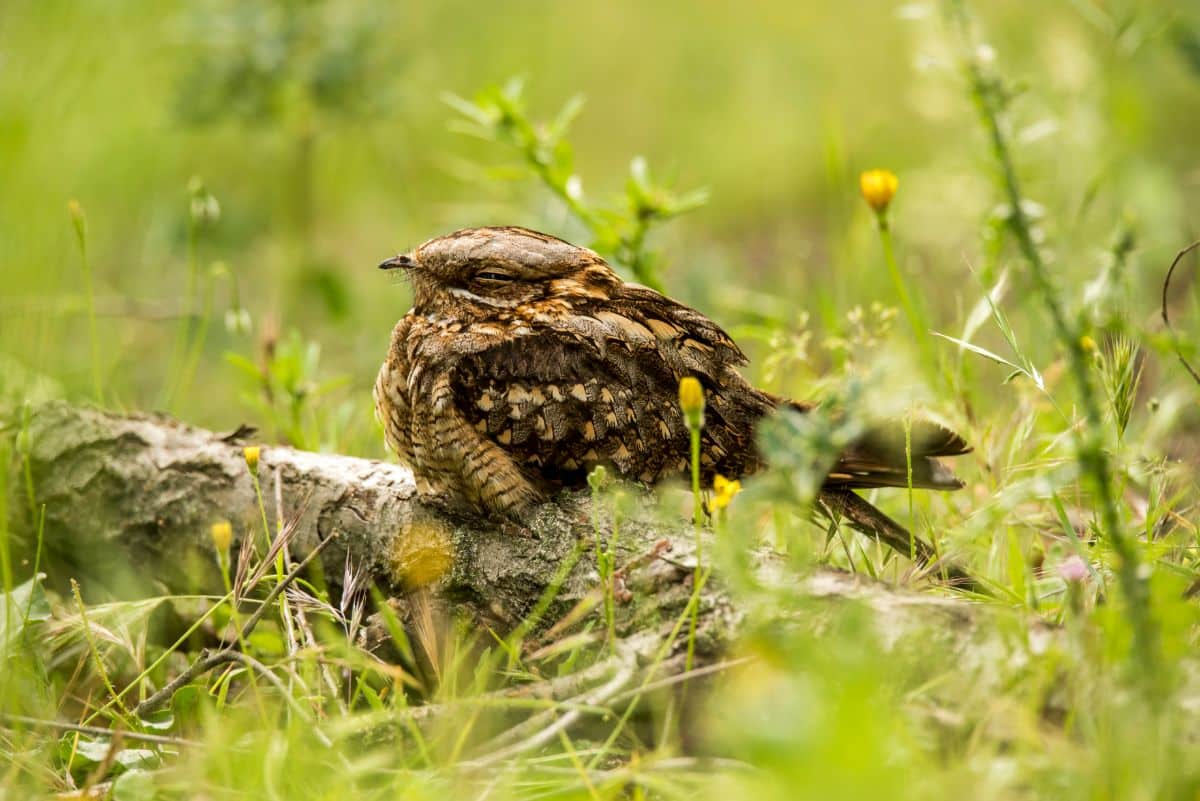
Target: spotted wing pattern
601, 388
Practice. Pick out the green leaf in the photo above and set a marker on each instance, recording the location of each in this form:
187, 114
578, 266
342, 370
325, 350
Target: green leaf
984, 352
244, 365
133, 758
134, 785
186, 703
162, 720
471, 111
88, 752
562, 123
26, 604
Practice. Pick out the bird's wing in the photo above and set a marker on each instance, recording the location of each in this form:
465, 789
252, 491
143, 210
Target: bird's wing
600, 386
559, 407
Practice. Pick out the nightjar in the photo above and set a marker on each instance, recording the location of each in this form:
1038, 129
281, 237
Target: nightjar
526, 361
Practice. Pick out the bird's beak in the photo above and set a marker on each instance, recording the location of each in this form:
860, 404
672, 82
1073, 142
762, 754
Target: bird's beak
401, 262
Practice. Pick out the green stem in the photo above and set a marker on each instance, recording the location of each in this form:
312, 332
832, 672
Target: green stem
179, 349
89, 294
913, 313
697, 500
90, 638
610, 611
634, 246
697, 522
6, 575
280, 570
196, 347
908, 466
223, 562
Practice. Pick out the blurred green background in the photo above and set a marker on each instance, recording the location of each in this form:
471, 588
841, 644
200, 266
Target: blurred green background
237, 169
321, 132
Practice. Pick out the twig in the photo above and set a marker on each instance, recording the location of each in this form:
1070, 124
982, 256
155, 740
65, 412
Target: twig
253, 620
95, 731
1167, 319
678, 678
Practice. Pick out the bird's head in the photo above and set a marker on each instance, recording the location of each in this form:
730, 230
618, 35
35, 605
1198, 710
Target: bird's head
500, 268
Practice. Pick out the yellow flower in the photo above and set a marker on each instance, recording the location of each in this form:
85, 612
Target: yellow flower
691, 400
724, 490
878, 188
252, 454
1087, 343
222, 535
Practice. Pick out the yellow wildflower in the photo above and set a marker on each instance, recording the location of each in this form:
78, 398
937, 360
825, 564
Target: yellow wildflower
252, 454
878, 188
222, 535
1087, 343
724, 490
691, 400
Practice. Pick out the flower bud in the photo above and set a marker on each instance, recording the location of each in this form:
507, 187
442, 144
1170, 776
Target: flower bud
222, 535
878, 188
691, 400
78, 221
1073, 569
252, 454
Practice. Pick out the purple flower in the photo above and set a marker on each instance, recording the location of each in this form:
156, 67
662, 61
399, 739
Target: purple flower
1073, 569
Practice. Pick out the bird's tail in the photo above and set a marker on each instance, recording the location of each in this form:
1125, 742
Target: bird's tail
884, 456
871, 522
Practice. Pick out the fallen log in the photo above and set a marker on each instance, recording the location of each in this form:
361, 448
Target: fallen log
126, 504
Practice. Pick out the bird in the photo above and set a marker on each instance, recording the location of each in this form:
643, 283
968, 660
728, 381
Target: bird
527, 361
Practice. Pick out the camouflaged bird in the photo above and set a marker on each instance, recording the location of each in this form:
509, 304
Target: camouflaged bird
526, 361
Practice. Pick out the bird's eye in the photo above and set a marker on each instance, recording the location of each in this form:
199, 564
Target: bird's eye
492, 275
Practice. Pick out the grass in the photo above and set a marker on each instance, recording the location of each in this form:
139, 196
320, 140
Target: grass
1042, 196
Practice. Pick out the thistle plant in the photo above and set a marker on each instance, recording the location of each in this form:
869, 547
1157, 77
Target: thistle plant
992, 97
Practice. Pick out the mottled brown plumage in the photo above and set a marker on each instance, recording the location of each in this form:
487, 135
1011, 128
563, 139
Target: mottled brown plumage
526, 361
